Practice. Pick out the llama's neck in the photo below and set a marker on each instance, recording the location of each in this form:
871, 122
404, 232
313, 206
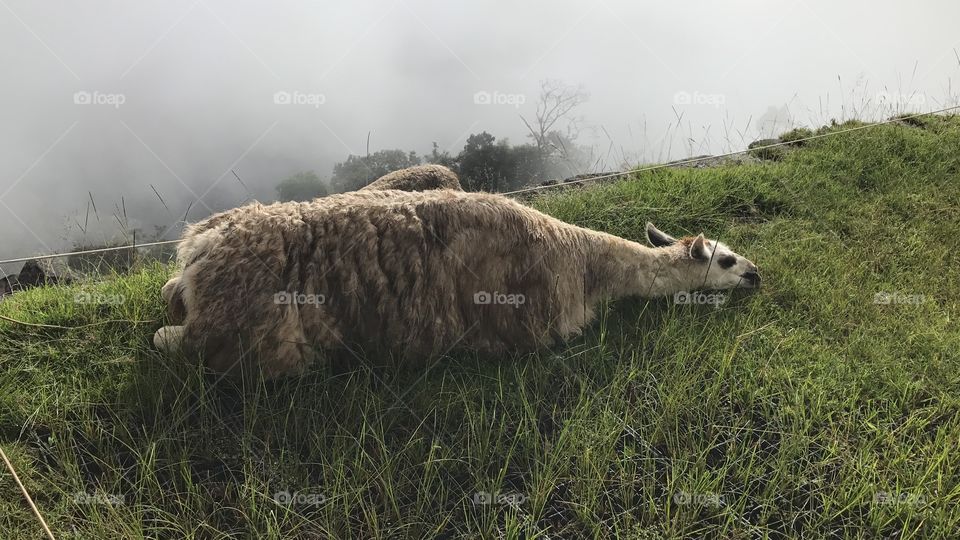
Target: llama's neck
624, 268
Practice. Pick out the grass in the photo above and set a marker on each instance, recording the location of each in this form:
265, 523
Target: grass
805, 410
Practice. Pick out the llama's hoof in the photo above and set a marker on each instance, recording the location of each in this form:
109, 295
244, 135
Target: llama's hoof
168, 289
168, 339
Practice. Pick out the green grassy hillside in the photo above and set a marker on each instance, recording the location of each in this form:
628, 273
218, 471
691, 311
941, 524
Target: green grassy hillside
824, 404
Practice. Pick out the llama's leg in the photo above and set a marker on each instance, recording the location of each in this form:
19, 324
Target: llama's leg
172, 293
167, 290
276, 348
279, 347
281, 358
169, 339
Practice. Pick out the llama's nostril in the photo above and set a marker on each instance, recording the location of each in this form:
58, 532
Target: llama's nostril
753, 277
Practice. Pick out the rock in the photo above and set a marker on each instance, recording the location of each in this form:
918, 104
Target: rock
776, 153
707, 160
8, 284
909, 120
762, 142
32, 274
588, 176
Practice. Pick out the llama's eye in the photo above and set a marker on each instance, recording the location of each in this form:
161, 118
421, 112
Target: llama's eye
727, 261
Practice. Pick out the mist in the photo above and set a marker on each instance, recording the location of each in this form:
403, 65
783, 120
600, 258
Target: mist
109, 104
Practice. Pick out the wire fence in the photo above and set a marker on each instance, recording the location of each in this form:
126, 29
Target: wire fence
559, 183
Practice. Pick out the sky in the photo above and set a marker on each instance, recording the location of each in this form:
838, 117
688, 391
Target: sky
112, 103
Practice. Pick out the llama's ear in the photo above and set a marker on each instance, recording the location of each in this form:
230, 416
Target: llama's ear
699, 249
658, 238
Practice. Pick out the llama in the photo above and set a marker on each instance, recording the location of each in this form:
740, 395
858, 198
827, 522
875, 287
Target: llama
266, 287
417, 178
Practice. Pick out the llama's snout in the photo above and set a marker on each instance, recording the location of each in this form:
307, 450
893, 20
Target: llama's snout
751, 276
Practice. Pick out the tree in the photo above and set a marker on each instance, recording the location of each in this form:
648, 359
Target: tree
302, 186
568, 158
557, 101
483, 163
526, 167
442, 158
486, 164
358, 171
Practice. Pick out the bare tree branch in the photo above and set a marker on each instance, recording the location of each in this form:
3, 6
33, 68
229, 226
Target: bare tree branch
557, 101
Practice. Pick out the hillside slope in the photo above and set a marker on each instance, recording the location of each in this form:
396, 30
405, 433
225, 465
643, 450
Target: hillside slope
826, 403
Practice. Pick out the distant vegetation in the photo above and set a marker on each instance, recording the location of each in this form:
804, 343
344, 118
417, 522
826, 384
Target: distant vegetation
484, 163
358, 171
302, 186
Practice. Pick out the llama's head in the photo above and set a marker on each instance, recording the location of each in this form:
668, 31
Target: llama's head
708, 263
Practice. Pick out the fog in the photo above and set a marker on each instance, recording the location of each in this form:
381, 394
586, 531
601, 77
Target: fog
103, 102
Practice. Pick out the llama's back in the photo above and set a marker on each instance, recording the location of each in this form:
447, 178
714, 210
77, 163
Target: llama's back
417, 178
413, 273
